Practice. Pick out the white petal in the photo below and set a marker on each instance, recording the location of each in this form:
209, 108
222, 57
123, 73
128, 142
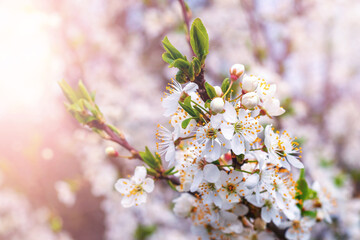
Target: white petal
211, 173
294, 161
129, 201
170, 104
285, 164
216, 120
197, 179
265, 214
215, 152
140, 198
227, 130
170, 153
148, 185
140, 174
191, 87
241, 209
252, 180
230, 113
236, 146
123, 185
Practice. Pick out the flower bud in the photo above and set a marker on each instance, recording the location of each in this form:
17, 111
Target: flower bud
236, 71
217, 105
183, 205
259, 224
218, 91
249, 83
111, 152
250, 100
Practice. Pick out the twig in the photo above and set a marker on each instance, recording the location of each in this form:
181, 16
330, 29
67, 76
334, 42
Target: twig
121, 140
187, 24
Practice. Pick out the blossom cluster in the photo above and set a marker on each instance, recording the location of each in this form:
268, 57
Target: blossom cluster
235, 174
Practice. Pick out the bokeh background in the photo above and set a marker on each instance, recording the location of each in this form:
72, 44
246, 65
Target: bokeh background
56, 181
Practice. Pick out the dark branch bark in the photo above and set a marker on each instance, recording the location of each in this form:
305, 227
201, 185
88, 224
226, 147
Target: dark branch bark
200, 81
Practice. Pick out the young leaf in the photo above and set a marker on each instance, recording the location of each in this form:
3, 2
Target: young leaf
302, 189
225, 85
167, 172
188, 109
210, 90
199, 39
187, 101
173, 52
185, 123
167, 57
197, 66
181, 64
181, 77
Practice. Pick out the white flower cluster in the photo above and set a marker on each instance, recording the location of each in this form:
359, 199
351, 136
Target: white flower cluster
229, 176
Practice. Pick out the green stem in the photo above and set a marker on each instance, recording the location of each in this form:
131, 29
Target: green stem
200, 106
227, 91
243, 171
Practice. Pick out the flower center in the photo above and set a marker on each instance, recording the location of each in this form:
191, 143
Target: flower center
231, 188
136, 189
238, 127
268, 203
211, 133
296, 224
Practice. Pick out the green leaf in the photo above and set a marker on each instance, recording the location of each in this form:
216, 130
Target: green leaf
167, 57
181, 77
185, 123
197, 66
188, 109
173, 52
311, 214
181, 64
143, 232
168, 172
225, 85
302, 189
210, 90
151, 172
68, 91
150, 160
83, 92
172, 186
198, 110
187, 101
199, 39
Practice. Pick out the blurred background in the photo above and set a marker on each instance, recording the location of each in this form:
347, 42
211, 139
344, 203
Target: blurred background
55, 179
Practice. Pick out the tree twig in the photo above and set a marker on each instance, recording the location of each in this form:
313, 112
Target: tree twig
121, 140
187, 23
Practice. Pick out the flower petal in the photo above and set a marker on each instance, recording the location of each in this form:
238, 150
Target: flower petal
211, 173
227, 130
230, 113
148, 185
140, 174
294, 161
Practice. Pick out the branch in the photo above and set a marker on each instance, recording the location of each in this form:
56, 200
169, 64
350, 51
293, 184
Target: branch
187, 23
121, 140
200, 81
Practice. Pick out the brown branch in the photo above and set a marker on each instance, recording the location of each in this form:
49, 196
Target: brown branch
121, 140
187, 24
200, 81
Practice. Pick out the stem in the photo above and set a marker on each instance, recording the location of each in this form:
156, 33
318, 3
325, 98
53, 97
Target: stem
239, 170
201, 107
187, 24
121, 140
225, 165
228, 89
